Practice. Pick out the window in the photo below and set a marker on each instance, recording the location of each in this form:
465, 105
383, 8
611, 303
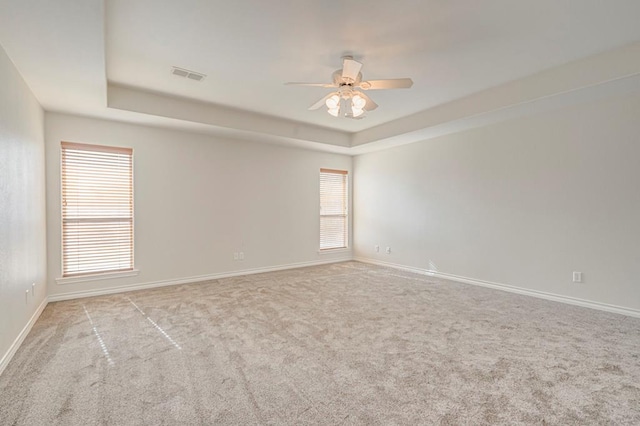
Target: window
97, 209
334, 218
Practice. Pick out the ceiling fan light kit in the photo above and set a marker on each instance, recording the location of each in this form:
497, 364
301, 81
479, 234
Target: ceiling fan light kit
348, 101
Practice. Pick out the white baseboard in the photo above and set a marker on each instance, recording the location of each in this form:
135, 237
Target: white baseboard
513, 289
144, 286
23, 334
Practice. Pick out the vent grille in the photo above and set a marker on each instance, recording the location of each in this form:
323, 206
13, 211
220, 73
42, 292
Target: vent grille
192, 75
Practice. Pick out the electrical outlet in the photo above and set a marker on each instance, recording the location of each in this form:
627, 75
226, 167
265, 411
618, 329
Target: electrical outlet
377, 248
388, 250
241, 255
235, 256
577, 277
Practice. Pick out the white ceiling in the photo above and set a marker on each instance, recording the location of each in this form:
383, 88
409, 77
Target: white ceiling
69, 51
453, 48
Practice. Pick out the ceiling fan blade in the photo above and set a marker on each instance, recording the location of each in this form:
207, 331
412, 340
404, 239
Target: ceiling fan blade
321, 102
311, 84
392, 83
370, 106
351, 69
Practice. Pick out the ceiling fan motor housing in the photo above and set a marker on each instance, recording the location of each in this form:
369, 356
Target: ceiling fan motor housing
339, 80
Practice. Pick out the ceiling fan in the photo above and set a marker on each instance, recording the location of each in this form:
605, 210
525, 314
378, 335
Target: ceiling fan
349, 99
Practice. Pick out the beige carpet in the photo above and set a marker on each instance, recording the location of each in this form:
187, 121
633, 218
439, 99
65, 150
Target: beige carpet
345, 344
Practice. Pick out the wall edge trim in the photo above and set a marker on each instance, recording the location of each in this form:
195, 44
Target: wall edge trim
188, 280
6, 358
510, 288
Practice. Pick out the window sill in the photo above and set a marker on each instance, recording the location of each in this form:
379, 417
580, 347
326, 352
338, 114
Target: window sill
96, 277
336, 250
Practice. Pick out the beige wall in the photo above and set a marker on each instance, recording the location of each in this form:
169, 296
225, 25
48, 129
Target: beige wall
522, 203
22, 205
198, 199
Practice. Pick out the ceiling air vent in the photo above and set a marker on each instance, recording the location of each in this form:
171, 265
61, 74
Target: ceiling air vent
192, 75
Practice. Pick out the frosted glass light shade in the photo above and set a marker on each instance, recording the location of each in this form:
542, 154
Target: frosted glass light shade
333, 102
358, 102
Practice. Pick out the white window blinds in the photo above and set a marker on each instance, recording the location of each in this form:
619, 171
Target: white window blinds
97, 209
334, 219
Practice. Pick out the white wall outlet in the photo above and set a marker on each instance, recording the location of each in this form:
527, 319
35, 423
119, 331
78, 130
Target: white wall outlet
388, 250
235, 256
377, 248
241, 255
577, 277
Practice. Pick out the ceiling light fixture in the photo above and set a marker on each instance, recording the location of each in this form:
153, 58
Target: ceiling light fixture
357, 105
334, 111
333, 105
333, 102
345, 103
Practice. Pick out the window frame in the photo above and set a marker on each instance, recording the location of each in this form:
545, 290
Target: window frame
90, 275
345, 207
